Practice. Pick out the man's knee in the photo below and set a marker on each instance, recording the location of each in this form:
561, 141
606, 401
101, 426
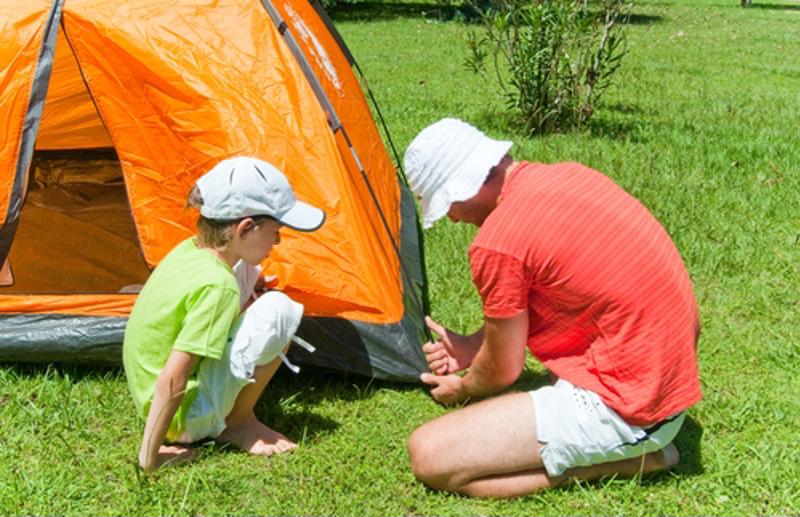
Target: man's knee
423, 453
419, 454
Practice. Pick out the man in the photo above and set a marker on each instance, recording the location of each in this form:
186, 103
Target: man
575, 269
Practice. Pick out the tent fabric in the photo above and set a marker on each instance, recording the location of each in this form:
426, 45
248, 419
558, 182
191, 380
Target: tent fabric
172, 88
70, 119
82, 196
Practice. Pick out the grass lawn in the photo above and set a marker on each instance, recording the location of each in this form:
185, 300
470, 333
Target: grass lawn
703, 126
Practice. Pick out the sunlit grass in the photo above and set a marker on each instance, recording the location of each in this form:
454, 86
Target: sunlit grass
703, 126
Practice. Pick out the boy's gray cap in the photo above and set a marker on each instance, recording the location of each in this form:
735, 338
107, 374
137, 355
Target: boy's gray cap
245, 187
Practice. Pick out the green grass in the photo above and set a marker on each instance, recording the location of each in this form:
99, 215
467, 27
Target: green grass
703, 126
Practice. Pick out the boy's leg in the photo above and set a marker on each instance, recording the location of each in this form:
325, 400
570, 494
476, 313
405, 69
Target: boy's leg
243, 429
266, 327
490, 449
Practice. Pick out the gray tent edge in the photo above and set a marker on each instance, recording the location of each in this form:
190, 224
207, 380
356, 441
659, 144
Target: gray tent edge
33, 116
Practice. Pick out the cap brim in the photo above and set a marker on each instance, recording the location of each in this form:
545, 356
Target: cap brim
303, 217
435, 208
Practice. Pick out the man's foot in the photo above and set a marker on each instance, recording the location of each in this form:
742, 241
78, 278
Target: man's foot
256, 438
671, 456
664, 459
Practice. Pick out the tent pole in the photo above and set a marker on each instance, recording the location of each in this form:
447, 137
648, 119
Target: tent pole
33, 116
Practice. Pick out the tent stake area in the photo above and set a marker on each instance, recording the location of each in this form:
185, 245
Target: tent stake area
76, 234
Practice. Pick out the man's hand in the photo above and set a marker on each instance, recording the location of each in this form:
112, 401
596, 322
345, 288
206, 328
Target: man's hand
453, 352
446, 389
168, 456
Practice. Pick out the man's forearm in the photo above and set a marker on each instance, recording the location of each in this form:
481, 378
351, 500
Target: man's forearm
484, 377
500, 357
474, 342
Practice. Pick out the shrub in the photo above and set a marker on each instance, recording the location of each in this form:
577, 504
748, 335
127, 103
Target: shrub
552, 58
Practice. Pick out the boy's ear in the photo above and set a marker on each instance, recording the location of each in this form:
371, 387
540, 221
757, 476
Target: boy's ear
244, 226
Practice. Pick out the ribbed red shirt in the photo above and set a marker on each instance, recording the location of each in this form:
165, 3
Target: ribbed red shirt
610, 302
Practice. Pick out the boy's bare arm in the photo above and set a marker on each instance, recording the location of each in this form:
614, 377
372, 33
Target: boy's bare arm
170, 386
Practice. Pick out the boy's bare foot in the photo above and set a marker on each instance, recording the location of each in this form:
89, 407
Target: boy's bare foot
256, 438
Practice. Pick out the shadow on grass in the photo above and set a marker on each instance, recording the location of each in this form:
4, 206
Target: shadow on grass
74, 372
621, 122
313, 386
643, 19
287, 404
688, 442
690, 463
372, 11
616, 129
375, 11
773, 7
289, 401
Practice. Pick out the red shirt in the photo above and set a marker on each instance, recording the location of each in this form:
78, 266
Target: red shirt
609, 300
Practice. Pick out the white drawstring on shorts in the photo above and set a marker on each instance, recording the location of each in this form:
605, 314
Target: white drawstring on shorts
303, 344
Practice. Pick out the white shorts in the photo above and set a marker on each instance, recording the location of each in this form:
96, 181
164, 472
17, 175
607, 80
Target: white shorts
260, 335
576, 429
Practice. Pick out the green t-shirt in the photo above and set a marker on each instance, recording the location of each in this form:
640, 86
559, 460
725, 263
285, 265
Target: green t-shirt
189, 303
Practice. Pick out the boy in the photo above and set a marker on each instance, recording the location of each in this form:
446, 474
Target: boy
188, 378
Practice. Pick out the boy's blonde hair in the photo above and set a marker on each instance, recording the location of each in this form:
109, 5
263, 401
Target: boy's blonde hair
214, 233
210, 233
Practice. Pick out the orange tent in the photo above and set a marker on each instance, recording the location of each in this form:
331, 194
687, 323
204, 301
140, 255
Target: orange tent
114, 109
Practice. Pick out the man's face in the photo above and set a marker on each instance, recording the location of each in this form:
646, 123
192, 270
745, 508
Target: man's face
473, 211
459, 212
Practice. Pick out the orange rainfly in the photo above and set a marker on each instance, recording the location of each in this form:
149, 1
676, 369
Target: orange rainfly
115, 109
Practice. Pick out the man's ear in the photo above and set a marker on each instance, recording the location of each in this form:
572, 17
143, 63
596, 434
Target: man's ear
244, 226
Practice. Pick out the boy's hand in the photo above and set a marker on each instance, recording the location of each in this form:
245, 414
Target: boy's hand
264, 284
168, 456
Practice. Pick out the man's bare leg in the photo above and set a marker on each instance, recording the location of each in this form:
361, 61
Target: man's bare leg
243, 429
514, 485
486, 450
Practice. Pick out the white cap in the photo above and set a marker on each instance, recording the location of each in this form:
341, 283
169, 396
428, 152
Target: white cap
448, 161
243, 187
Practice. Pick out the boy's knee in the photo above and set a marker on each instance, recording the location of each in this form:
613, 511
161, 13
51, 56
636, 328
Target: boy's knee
266, 328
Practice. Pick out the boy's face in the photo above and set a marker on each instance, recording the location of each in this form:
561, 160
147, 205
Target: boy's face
255, 241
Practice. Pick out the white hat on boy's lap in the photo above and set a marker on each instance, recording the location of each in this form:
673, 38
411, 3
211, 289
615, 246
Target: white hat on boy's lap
245, 187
